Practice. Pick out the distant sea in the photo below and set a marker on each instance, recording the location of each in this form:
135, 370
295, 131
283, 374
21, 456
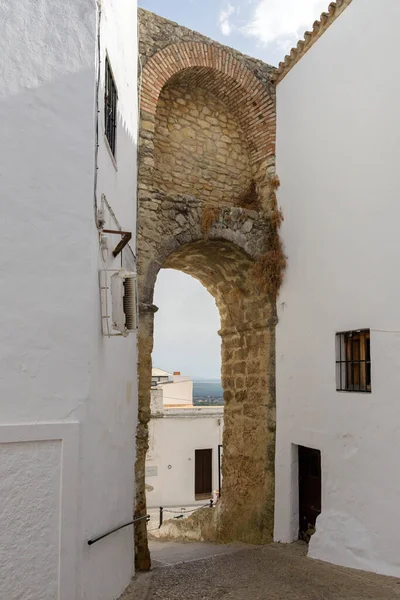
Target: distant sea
207, 392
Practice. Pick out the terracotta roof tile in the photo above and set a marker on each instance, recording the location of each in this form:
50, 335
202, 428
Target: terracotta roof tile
310, 37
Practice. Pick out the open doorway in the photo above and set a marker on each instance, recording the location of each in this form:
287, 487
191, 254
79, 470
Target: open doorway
309, 491
203, 474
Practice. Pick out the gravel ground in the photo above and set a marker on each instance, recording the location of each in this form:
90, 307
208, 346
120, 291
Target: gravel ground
275, 572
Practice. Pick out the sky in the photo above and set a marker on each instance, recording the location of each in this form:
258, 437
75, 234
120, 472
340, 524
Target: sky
265, 29
185, 332
185, 327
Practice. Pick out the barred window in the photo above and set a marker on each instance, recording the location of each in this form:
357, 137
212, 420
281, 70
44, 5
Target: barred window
353, 361
110, 107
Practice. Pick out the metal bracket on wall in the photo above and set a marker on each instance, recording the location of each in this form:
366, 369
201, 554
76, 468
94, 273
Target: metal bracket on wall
126, 237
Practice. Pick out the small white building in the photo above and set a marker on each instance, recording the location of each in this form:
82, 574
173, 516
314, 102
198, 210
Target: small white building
159, 376
185, 447
177, 389
338, 337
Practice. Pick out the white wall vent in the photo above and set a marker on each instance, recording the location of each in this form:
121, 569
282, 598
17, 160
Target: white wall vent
119, 302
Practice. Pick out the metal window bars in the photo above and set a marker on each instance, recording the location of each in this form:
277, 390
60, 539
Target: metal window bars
110, 107
353, 361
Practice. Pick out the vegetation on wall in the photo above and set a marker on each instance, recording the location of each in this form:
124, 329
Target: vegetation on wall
236, 295
209, 216
268, 271
251, 199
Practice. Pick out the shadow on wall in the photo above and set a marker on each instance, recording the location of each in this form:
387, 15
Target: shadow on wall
51, 344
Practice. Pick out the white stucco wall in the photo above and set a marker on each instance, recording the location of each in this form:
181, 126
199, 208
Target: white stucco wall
34, 465
173, 440
47, 246
178, 392
177, 378
338, 138
56, 369
156, 400
109, 438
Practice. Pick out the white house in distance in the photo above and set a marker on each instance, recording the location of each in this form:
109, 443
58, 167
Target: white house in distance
338, 337
68, 384
185, 441
177, 389
159, 376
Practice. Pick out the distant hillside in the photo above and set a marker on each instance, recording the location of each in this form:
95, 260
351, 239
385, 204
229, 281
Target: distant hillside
207, 392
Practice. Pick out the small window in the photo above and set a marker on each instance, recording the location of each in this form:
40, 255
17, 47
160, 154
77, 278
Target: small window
353, 361
110, 107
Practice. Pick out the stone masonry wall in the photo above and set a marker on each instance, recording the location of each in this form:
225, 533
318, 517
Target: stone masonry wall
207, 135
245, 84
200, 148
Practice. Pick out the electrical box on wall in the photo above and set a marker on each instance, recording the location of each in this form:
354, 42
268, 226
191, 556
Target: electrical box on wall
118, 302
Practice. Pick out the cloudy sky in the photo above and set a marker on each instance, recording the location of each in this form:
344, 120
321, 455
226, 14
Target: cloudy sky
186, 325
266, 29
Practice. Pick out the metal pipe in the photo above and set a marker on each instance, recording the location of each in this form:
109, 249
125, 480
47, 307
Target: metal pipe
94, 540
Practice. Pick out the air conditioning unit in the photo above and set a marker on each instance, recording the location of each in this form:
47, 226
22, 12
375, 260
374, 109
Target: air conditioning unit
119, 302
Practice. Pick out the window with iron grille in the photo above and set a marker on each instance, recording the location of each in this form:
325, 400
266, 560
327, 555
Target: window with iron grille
110, 107
353, 361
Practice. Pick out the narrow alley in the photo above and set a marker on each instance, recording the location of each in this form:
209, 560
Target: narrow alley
199, 313
186, 571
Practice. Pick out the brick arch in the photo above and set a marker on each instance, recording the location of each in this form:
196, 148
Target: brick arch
218, 71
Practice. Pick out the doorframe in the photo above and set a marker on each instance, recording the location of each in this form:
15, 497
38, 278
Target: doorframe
294, 473
294, 495
220, 453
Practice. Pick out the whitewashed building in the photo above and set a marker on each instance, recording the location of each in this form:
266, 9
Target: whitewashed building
338, 338
177, 389
68, 391
185, 447
68, 385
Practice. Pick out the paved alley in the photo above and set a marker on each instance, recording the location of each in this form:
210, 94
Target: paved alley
233, 572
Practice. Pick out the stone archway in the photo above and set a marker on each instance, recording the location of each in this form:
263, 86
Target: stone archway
206, 207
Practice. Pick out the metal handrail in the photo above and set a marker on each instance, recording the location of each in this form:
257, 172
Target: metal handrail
182, 513
94, 540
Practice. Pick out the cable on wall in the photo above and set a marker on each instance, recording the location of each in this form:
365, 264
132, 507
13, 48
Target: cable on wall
97, 108
103, 258
386, 330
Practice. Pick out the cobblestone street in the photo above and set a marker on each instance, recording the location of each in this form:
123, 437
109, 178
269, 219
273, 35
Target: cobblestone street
275, 572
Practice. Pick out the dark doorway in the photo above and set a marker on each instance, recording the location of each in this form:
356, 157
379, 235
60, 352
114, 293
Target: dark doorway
220, 452
203, 474
309, 490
